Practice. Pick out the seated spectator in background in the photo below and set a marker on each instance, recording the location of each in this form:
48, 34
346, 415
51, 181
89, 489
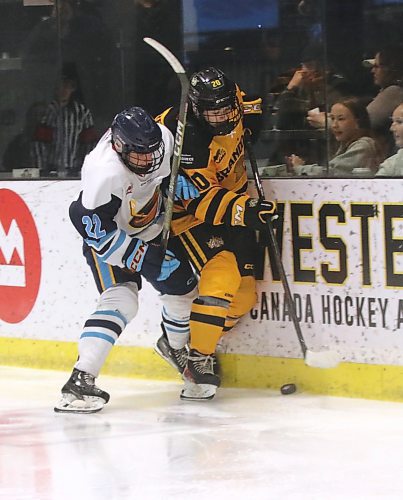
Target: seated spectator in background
66, 133
311, 86
350, 125
387, 70
20, 152
393, 166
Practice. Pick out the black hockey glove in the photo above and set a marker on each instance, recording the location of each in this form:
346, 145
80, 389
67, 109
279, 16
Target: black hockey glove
257, 212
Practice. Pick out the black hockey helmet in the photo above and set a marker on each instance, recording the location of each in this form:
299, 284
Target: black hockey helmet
137, 138
214, 99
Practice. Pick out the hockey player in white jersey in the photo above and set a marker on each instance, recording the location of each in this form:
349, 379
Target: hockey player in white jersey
119, 214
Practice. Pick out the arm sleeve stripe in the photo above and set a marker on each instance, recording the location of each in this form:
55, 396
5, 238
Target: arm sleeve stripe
199, 206
225, 206
98, 245
115, 246
213, 209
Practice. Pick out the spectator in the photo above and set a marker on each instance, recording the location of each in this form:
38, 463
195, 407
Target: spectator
393, 166
67, 132
311, 86
350, 125
387, 70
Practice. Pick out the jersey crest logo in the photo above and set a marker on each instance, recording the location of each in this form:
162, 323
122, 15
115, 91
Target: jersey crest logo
215, 242
147, 214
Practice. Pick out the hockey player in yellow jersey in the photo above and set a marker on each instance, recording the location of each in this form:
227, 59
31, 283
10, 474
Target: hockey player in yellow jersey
216, 230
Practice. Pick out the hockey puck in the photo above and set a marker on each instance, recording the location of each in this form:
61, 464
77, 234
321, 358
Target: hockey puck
288, 388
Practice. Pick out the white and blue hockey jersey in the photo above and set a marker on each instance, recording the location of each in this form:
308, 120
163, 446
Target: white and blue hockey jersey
117, 210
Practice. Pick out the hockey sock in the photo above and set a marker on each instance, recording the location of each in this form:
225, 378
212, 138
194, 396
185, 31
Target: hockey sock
101, 330
206, 324
176, 329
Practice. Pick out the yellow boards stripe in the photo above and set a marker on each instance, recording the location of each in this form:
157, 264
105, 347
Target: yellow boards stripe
383, 382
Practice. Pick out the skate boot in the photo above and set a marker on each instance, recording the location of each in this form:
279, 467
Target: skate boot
81, 395
177, 358
216, 365
200, 376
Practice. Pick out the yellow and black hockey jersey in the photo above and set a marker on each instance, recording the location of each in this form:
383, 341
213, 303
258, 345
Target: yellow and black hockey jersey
216, 166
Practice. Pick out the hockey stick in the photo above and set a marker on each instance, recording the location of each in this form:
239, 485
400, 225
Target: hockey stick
179, 135
323, 359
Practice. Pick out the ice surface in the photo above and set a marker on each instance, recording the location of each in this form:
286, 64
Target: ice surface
147, 444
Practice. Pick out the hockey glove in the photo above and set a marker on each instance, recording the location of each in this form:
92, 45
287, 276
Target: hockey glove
137, 252
257, 212
168, 266
185, 190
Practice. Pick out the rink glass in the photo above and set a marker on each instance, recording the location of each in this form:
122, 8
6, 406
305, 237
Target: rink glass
258, 44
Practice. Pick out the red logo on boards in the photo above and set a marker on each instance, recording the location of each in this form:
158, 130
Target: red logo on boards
20, 258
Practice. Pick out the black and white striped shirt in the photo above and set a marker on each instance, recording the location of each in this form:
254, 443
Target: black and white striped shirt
65, 135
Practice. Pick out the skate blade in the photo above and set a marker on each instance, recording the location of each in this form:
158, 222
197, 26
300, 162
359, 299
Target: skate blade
167, 359
198, 392
70, 404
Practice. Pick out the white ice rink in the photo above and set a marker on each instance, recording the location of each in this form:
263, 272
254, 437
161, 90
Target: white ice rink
147, 444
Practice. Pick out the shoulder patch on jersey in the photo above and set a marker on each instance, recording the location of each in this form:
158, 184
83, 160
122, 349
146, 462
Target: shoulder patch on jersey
219, 156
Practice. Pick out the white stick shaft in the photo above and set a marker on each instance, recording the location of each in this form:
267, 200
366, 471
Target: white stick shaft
166, 54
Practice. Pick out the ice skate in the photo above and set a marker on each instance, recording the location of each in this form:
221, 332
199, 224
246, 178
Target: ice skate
177, 358
200, 376
81, 395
